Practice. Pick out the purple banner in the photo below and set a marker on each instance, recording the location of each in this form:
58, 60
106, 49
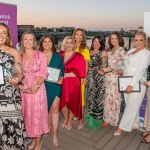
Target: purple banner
142, 111
8, 15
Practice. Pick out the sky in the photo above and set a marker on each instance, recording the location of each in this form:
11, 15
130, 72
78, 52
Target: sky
87, 14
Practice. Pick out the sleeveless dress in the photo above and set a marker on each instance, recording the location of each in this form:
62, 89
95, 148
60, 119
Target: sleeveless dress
12, 128
95, 93
54, 89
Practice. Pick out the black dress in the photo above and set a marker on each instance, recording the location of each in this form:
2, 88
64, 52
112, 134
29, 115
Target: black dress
12, 129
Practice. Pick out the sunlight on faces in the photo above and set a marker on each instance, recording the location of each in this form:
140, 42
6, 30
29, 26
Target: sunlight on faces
28, 41
69, 45
114, 40
79, 36
139, 42
47, 44
3, 35
96, 44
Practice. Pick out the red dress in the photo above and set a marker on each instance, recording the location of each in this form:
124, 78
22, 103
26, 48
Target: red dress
71, 86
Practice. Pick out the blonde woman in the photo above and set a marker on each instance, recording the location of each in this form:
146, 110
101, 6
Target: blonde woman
34, 99
71, 103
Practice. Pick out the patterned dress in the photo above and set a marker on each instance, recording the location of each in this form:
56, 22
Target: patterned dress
12, 129
112, 96
34, 106
95, 92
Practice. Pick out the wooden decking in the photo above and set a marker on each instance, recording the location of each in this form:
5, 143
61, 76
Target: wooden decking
102, 139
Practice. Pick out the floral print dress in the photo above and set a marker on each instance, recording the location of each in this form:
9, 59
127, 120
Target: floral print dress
112, 96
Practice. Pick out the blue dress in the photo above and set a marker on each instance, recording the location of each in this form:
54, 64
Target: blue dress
54, 89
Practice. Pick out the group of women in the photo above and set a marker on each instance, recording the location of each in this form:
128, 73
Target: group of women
35, 111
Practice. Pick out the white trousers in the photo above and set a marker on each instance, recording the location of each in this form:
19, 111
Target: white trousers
130, 118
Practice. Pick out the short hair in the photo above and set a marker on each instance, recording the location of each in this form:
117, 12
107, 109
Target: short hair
42, 40
83, 44
63, 45
34, 39
120, 39
9, 36
101, 41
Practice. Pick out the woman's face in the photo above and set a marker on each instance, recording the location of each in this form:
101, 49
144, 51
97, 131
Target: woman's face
79, 36
139, 42
114, 40
47, 44
96, 44
69, 45
3, 35
28, 41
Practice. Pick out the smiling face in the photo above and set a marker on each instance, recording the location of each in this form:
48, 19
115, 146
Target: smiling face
96, 44
139, 42
78, 36
3, 35
28, 41
47, 44
114, 40
69, 45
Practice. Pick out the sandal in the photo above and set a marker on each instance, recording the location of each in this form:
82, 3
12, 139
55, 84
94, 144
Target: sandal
144, 141
64, 125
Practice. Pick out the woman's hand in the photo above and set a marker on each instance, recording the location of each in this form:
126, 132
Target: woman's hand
13, 81
101, 72
90, 68
129, 89
60, 80
147, 83
34, 89
120, 72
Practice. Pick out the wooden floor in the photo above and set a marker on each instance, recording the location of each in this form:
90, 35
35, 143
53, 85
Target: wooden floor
101, 139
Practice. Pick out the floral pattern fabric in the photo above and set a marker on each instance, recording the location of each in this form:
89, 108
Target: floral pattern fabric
12, 128
112, 96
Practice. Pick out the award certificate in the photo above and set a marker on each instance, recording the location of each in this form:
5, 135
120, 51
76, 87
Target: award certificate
1, 75
124, 81
53, 74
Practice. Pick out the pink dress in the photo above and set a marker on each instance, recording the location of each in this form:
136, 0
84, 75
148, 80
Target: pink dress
34, 106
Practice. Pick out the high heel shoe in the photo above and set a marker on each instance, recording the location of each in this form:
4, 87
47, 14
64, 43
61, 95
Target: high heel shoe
63, 125
30, 147
80, 126
68, 127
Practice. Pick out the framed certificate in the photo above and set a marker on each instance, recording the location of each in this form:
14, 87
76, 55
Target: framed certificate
124, 81
53, 74
1, 75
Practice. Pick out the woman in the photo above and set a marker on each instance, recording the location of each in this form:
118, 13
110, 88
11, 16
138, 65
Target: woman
81, 47
137, 62
11, 121
34, 100
95, 83
53, 90
112, 96
71, 102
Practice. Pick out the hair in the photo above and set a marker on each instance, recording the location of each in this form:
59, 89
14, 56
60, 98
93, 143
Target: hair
101, 41
142, 33
34, 39
41, 48
9, 36
120, 39
83, 42
63, 45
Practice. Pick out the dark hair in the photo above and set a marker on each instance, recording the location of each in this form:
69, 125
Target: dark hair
83, 42
101, 41
41, 42
120, 39
21, 40
9, 36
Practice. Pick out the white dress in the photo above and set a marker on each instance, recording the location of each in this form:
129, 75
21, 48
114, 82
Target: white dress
136, 66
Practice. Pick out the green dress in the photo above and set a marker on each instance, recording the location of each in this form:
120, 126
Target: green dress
54, 89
